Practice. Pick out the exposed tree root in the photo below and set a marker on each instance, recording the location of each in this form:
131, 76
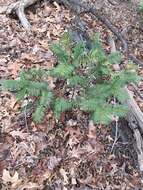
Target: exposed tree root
75, 5
95, 14
18, 8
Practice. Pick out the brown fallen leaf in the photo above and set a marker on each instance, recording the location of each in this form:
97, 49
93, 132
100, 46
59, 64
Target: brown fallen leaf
92, 130
64, 175
3, 165
72, 131
29, 57
44, 44
72, 141
14, 69
6, 177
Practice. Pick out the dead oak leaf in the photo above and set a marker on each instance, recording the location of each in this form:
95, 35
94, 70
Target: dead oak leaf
29, 57
6, 177
92, 130
72, 141
14, 69
72, 131
44, 44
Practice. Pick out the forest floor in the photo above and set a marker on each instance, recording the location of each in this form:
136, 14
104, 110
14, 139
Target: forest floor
72, 154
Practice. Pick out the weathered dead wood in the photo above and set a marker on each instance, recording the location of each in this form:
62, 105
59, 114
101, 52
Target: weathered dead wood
139, 145
134, 109
134, 116
18, 8
113, 50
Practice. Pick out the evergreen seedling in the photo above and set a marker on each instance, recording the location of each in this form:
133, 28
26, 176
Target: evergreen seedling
88, 72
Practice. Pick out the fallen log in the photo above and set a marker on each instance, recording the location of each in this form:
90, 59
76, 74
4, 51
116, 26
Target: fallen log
134, 115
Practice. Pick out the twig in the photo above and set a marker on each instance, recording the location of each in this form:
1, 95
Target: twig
112, 3
135, 60
25, 117
116, 134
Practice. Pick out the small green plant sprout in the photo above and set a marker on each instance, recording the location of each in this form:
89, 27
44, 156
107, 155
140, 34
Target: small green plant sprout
88, 72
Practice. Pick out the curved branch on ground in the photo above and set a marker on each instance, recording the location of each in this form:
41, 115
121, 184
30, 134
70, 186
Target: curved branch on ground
95, 14
19, 8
